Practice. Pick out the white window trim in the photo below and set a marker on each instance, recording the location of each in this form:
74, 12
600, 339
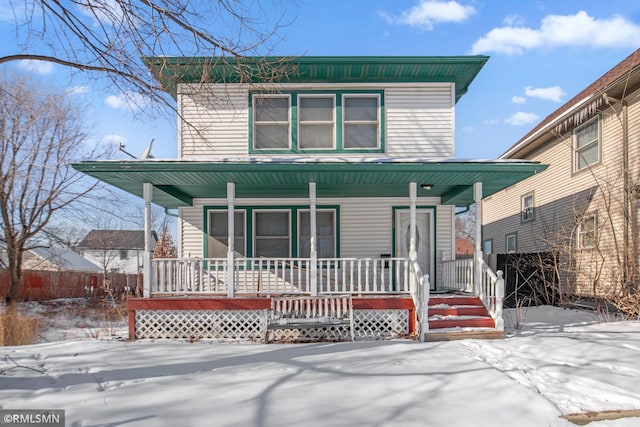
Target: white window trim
333, 122
377, 122
574, 139
524, 209
255, 227
484, 246
255, 122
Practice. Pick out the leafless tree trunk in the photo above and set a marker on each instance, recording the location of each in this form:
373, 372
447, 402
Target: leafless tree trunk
41, 133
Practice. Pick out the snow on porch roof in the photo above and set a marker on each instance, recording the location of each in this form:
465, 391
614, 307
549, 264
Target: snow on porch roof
177, 182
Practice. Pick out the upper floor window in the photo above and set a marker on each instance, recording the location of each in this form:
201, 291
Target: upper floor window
321, 122
527, 207
586, 145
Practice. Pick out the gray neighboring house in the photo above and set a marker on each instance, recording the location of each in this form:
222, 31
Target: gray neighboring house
578, 208
118, 251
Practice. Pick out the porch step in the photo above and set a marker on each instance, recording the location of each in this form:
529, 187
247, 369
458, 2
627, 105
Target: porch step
459, 317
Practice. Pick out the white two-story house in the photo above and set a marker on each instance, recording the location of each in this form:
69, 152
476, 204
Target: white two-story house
336, 175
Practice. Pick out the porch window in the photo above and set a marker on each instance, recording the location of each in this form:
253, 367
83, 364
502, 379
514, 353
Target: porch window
361, 121
271, 122
586, 143
316, 118
527, 207
587, 231
218, 230
272, 234
511, 243
325, 231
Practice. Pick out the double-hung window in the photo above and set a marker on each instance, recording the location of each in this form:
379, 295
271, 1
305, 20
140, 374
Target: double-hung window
511, 243
587, 231
527, 207
271, 122
325, 233
586, 145
218, 231
272, 234
317, 121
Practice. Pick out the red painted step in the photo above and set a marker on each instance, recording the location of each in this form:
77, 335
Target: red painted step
458, 311
455, 300
475, 322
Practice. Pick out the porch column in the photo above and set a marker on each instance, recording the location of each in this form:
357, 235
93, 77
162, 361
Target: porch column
477, 198
413, 198
313, 234
147, 279
231, 200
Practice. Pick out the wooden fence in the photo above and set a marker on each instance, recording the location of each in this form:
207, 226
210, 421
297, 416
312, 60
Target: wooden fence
44, 285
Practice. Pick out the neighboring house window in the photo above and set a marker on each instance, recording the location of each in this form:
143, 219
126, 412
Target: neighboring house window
271, 128
218, 230
586, 145
587, 231
325, 234
527, 207
319, 121
123, 254
272, 234
511, 243
487, 246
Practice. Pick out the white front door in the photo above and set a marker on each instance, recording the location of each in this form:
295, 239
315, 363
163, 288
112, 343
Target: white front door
424, 239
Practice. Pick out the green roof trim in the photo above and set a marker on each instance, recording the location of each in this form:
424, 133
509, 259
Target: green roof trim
460, 70
176, 183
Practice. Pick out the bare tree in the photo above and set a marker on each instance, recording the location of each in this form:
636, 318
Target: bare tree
41, 133
165, 247
112, 38
466, 224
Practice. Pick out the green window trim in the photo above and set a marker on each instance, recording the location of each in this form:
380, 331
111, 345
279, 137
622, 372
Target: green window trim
294, 125
249, 217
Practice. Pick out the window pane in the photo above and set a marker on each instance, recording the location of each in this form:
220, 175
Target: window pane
271, 136
316, 136
315, 109
360, 108
360, 136
268, 109
218, 234
587, 135
272, 224
325, 226
272, 248
588, 156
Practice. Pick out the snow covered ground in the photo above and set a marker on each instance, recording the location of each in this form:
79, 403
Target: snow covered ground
560, 362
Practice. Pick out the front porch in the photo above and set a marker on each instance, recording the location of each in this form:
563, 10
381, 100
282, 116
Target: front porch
194, 298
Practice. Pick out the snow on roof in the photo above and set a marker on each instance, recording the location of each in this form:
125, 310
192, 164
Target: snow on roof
66, 259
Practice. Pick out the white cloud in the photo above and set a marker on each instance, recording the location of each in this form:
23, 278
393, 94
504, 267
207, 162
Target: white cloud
520, 119
513, 20
553, 93
77, 90
518, 100
113, 139
560, 30
491, 122
103, 11
127, 101
427, 13
38, 67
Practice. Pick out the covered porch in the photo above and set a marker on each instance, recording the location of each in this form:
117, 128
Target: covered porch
391, 292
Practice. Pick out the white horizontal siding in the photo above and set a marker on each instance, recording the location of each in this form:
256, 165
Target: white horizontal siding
419, 120
191, 229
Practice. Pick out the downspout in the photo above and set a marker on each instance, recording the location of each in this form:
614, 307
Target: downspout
627, 276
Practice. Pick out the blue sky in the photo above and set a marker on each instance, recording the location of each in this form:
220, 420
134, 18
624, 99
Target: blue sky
542, 53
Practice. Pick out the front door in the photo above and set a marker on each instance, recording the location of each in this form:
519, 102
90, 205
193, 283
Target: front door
424, 239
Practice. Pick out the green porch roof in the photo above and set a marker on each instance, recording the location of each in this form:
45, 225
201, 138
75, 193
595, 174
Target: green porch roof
177, 182
460, 70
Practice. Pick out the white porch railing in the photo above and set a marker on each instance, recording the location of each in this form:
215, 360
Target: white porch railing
491, 293
268, 276
458, 275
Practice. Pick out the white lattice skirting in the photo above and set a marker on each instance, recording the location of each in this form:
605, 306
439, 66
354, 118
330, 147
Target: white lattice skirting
249, 325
